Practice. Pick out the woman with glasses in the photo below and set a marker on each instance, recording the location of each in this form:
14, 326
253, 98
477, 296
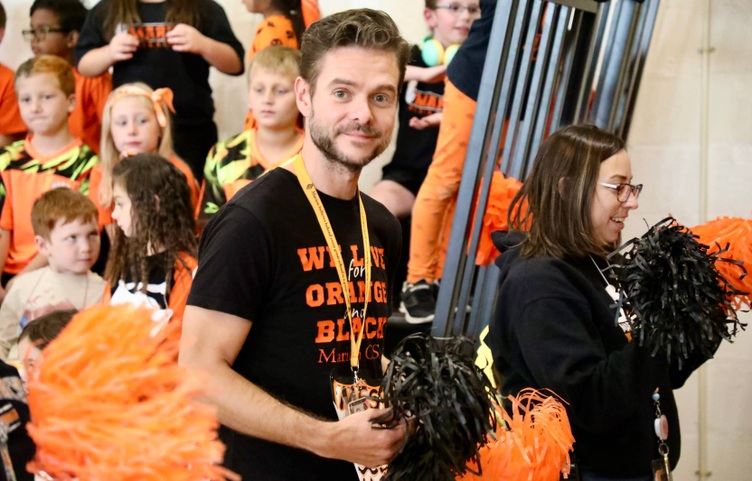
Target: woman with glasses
557, 325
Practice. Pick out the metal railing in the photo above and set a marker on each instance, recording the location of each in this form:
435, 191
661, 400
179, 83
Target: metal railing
550, 63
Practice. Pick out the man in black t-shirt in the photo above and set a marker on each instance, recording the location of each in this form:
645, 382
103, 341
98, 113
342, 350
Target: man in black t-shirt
295, 273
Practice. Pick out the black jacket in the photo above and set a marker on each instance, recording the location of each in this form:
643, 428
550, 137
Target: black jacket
555, 328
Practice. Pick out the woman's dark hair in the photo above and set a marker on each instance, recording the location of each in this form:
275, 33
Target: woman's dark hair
161, 217
126, 11
553, 206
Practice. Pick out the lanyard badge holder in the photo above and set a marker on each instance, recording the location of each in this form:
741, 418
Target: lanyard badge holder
350, 393
661, 466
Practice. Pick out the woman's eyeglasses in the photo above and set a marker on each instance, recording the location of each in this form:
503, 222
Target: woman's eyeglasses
39, 33
623, 191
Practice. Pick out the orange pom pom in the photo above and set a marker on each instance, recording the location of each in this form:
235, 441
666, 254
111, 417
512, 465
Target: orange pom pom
109, 402
500, 196
735, 233
534, 444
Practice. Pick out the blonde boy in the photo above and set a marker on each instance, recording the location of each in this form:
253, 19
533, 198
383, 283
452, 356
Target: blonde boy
235, 162
67, 235
50, 156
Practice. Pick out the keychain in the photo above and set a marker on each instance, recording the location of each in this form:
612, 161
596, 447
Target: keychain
661, 466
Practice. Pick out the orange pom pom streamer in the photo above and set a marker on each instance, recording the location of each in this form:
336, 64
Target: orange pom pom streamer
108, 402
534, 446
736, 233
501, 194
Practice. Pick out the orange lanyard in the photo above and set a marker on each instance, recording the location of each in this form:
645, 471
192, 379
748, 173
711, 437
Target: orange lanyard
326, 227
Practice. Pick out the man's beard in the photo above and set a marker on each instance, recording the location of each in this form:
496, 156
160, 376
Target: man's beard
324, 141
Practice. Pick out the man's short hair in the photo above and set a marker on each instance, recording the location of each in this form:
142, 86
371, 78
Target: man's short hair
71, 14
60, 203
365, 28
277, 59
53, 64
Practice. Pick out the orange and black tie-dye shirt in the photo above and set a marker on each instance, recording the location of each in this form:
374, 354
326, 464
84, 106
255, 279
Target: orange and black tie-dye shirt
25, 176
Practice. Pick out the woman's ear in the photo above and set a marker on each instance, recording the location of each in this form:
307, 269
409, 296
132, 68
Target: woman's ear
562, 186
156, 202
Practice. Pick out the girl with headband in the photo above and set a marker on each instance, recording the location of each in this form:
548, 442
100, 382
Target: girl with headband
137, 120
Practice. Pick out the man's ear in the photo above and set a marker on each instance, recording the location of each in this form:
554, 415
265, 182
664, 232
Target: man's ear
303, 96
42, 245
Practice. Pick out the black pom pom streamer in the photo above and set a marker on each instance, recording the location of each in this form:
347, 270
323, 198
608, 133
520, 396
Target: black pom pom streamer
436, 382
676, 299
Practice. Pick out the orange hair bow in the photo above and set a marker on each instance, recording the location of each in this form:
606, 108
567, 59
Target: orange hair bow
157, 97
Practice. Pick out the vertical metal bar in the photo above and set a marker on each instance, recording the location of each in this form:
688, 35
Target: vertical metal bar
491, 95
567, 62
592, 23
546, 113
484, 300
650, 11
536, 87
626, 32
611, 71
531, 21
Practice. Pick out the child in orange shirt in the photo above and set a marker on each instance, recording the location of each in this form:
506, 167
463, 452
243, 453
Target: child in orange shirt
137, 120
154, 253
235, 162
12, 127
55, 26
49, 157
283, 25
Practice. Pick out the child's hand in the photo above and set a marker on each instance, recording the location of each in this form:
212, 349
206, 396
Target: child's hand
122, 47
184, 38
420, 123
429, 75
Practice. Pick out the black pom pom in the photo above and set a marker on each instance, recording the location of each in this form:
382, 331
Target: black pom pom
677, 301
436, 382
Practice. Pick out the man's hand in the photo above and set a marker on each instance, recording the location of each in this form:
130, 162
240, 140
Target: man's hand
427, 75
357, 439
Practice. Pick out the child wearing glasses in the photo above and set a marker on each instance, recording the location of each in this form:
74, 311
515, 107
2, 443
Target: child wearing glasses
55, 27
12, 127
421, 104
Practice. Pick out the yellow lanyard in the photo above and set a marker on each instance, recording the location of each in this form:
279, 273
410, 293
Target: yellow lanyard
331, 241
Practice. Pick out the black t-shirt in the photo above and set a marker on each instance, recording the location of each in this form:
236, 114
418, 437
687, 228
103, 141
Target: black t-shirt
128, 290
415, 148
187, 74
263, 257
